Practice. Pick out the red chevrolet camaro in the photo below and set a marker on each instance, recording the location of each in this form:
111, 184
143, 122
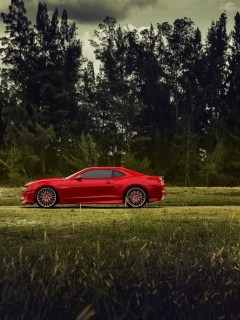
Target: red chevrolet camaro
96, 185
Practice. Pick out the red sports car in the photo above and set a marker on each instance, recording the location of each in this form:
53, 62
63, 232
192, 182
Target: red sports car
96, 185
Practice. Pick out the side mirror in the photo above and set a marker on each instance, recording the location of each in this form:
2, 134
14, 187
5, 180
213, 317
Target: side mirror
79, 178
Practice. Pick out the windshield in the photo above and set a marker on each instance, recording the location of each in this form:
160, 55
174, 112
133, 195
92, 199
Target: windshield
69, 177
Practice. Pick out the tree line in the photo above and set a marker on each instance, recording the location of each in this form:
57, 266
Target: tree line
163, 101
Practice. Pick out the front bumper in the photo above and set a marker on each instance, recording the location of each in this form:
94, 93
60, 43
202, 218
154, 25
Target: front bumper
27, 197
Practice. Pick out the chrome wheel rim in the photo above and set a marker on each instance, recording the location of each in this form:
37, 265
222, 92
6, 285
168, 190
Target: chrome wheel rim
46, 197
136, 197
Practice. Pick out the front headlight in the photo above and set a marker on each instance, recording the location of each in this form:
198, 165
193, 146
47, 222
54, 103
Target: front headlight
24, 188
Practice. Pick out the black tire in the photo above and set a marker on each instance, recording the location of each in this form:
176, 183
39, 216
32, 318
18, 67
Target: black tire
136, 197
46, 197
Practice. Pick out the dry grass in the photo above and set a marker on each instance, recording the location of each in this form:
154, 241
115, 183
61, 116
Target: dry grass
171, 262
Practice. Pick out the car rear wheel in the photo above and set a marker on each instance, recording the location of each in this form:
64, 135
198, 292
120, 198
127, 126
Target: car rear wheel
136, 197
46, 197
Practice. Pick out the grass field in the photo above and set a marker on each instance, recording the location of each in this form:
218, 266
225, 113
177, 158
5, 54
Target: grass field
177, 259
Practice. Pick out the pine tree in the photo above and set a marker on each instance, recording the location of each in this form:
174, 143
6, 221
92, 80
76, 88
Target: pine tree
215, 73
118, 104
16, 53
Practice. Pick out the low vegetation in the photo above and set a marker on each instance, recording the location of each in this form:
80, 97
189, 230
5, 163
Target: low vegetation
173, 260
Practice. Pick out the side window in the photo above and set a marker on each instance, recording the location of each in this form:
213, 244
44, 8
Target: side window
97, 174
117, 174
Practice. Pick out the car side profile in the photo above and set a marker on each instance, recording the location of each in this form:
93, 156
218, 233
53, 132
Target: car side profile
96, 185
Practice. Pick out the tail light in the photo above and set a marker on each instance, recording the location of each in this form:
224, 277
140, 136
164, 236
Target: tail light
161, 178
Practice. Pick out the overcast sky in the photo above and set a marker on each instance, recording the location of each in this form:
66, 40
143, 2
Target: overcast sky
138, 13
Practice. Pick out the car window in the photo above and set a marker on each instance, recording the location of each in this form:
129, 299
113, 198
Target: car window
117, 174
94, 174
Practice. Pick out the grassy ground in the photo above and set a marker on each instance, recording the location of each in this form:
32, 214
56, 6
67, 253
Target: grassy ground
177, 260
193, 196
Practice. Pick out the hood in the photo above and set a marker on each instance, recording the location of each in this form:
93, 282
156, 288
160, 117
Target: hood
42, 180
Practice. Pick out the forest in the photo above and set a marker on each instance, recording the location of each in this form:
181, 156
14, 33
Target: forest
165, 101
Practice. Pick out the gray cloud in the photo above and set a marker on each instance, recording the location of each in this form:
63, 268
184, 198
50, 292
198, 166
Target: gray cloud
229, 7
140, 13
94, 11
89, 11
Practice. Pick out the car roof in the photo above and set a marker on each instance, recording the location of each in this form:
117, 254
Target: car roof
105, 167
115, 168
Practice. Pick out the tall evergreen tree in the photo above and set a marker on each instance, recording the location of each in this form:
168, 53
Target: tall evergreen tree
16, 53
42, 73
183, 55
16, 47
231, 109
59, 63
118, 105
232, 115
215, 73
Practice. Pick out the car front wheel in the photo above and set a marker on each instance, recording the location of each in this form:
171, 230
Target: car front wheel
46, 197
136, 197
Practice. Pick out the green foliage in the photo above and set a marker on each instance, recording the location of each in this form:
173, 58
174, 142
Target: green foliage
28, 149
86, 155
4, 170
130, 162
159, 95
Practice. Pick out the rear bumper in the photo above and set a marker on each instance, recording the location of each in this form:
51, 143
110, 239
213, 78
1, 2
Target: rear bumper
158, 196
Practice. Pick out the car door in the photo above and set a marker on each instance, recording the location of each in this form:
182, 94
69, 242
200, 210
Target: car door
94, 186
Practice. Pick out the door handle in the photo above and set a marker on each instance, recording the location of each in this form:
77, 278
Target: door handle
108, 182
